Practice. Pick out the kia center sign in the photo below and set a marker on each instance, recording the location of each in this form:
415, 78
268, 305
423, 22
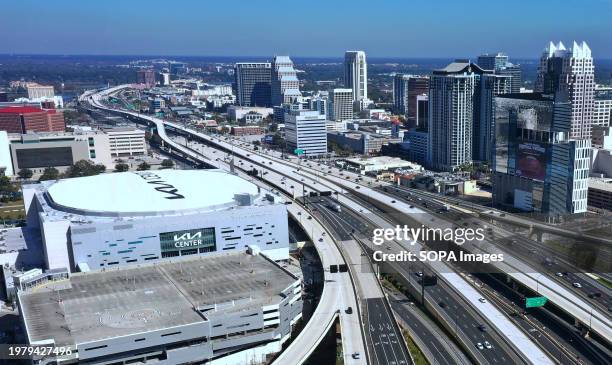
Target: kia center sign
188, 239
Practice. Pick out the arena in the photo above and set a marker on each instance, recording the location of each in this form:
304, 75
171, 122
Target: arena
96, 222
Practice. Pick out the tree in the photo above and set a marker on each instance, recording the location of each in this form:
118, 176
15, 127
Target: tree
50, 173
144, 166
121, 167
8, 190
25, 174
167, 163
84, 168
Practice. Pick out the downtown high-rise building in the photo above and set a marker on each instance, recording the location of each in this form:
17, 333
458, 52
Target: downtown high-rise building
499, 64
451, 113
146, 77
460, 120
571, 74
493, 62
356, 77
536, 166
252, 83
340, 104
487, 87
285, 86
406, 88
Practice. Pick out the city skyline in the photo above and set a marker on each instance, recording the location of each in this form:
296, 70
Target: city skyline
193, 29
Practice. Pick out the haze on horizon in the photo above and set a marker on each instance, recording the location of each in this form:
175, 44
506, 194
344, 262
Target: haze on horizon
392, 28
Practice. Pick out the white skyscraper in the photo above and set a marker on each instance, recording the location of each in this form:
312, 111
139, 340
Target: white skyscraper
285, 84
356, 76
570, 72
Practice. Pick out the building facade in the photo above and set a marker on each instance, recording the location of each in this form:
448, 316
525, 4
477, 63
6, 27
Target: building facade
285, 85
126, 141
340, 104
230, 309
37, 151
602, 106
146, 77
23, 119
451, 115
570, 72
537, 166
488, 86
493, 62
252, 84
36, 91
406, 89
356, 75
306, 130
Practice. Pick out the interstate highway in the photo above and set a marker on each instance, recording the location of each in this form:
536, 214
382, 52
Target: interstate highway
574, 305
494, 357
522, 345
337, 292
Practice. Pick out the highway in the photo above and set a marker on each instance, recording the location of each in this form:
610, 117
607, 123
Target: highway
519, 270
537, 254
346, 224
504, 327
337, 294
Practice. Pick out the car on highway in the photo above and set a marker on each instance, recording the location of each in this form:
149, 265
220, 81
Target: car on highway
349, 310
442, 304
419, 273
479, 346
482, 300
577, 285
487, 345
321, 239
356, 356
595, 294
393, 201
559, 274
482, 328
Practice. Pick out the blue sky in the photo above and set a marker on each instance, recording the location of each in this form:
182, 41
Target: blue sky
383, 28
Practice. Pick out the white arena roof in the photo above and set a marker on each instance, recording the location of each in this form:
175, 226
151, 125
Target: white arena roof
149, 192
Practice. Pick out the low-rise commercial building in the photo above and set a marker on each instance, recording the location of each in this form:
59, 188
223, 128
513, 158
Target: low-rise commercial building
247, 131
235, 113
23, 119
126, 141
362, 142
380, 163
37, 151
600, 193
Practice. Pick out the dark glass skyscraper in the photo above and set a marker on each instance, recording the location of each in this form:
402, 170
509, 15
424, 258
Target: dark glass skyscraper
537, 167
252, 84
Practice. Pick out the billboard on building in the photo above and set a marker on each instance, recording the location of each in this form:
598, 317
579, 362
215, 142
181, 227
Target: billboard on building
531, 161
188, 239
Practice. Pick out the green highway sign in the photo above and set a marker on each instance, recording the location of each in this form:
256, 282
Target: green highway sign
535, 302
298, 151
